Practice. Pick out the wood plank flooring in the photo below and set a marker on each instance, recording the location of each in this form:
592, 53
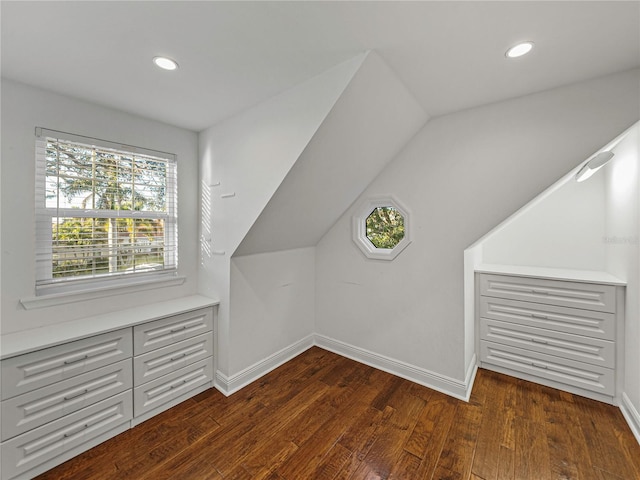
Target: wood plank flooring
322, 416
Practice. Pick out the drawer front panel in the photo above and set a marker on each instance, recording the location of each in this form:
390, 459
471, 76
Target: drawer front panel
33, 448
165, 360
581, 375
574, 347
44, 405
561, 319
38, 369
588, 296
164, 389
167, 331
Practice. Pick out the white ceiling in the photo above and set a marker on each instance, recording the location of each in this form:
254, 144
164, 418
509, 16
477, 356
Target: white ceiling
232, 55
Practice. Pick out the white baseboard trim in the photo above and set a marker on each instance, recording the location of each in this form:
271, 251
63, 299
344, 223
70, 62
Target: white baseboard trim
470, 377
221, 383
631, 415
441, 383
230, 385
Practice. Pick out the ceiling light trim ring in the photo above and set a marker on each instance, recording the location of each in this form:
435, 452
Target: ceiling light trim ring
165, 63
520, 49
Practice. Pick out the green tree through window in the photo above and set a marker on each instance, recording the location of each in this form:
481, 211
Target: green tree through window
385, 227
110, 211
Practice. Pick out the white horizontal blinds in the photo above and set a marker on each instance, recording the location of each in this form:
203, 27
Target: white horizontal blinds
102, 211
43, 254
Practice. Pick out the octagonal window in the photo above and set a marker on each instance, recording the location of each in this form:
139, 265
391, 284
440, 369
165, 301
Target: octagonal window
381, 228
385, 227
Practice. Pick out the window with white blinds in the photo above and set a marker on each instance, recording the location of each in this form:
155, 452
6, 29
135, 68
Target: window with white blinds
104, 211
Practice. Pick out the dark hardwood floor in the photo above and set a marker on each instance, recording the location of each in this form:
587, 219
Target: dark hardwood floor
322, 416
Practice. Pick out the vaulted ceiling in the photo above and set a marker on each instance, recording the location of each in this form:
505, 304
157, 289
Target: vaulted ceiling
232, 55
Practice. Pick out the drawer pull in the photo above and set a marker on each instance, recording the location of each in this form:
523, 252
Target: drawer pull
539, 292
539, 365
69, 362
176, 385
76, 395
537, 340
541, 317
77, 430
179, 329
178, 357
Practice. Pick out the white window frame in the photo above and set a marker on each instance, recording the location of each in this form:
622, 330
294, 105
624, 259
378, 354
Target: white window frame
48, 286
359, 228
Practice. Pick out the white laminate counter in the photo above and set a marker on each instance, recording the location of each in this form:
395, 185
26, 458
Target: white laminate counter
589, 276
26, 341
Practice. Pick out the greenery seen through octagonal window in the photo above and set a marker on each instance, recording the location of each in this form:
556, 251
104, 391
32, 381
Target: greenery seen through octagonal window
385, 227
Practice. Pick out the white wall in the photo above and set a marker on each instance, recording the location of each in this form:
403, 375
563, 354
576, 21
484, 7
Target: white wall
622, 255
23, 109
562, 230
460, 176
249, 155
273, 298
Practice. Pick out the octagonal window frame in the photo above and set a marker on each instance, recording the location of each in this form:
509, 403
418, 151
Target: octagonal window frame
359, 227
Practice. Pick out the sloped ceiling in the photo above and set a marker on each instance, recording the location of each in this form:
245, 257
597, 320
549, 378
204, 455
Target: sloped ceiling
429, 58
233, 55
244, 159
373, 118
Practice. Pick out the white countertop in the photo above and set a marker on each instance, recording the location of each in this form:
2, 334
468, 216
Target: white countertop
589, 276
26, 341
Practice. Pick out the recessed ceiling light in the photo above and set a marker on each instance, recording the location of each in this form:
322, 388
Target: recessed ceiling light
520, 49
165, 63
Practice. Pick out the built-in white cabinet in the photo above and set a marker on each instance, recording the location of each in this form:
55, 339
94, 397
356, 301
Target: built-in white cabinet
61, 400
163, 391
157, 363
43, 405
558, 332
173, 356
28, 372
57, 441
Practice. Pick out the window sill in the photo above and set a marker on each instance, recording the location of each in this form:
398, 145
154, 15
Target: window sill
43, 301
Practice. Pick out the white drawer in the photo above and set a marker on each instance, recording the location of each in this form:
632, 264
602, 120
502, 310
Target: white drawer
569, 372
157, 363
35, 408
167, 331
38, 446
588, 296
575, 347
24, 373
164, 389
562, 319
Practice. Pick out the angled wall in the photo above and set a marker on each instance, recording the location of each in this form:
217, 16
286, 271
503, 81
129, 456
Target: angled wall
373, 120
272, 281
272, 302
243, 160
562, 228
275, 215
